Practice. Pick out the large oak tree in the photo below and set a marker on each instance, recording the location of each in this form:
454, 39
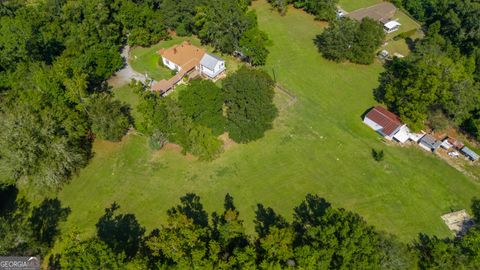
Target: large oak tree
249, 100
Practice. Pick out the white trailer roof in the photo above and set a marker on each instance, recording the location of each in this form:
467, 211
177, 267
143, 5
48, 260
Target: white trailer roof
392, 24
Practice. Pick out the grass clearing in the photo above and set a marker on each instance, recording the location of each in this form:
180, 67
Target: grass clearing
397, 46
126, 94
319, 145
351, 5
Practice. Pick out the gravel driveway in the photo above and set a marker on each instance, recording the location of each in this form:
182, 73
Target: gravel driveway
126, 74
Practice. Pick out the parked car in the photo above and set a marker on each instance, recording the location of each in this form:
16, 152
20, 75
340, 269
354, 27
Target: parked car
453, 154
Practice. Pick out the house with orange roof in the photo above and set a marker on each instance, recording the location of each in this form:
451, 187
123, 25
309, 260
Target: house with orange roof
182, 57
187, 59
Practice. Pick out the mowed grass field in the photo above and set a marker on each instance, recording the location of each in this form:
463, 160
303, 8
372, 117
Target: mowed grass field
351, 5
319, 145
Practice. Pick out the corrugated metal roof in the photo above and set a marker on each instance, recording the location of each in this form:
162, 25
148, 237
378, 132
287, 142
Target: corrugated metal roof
467, 151
431, 142
392, 24
210, 61
384, 118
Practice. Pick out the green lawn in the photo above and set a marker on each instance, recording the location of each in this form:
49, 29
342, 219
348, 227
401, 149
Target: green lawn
351, 5
397, 46
126, 94
319, 145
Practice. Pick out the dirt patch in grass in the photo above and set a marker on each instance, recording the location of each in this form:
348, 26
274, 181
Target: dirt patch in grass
227, 142
104, 147
175, 148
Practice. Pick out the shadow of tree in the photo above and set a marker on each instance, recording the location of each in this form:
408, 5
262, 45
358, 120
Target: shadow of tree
310, 212
27, 231
192, 208
266, 218
122, 233
476, 209
411, 43
8, 197
45, 219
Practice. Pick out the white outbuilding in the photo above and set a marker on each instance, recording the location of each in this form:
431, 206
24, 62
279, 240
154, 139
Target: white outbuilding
211, 65
391, 26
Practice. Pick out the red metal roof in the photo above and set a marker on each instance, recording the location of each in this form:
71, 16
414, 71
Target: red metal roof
457, 144
384, 118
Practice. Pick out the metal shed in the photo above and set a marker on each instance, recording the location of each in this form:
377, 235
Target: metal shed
469, 153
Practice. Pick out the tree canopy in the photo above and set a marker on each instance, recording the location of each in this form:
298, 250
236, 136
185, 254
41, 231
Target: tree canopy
441, 78
42, 140
53, 72
347, 39
249, 101
27, 230
319, 236
110, 118
202, 101
90, 253
434, 77
243, 107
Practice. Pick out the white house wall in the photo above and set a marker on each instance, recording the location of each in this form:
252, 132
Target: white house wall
219, 68
170, 64
424, 147
208, 72
373, 125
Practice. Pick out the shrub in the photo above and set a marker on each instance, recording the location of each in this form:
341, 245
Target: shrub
157, 140
437, 120
110, 118
377, 155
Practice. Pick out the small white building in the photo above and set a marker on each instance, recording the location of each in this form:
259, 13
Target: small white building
415, 137
211, 65
403, 134
391, 26
446, 144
